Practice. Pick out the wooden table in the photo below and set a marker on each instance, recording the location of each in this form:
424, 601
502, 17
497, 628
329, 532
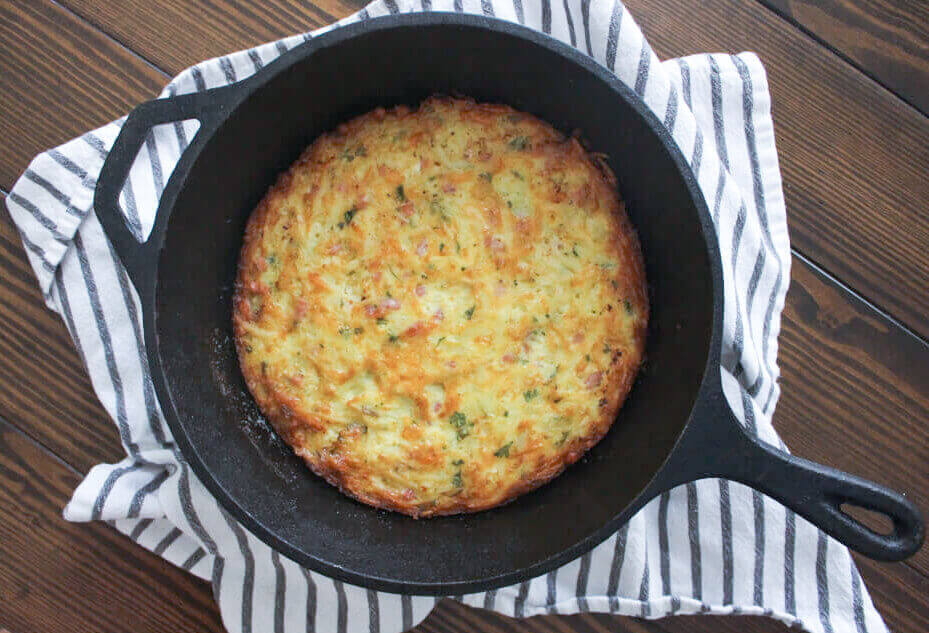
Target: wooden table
850, 84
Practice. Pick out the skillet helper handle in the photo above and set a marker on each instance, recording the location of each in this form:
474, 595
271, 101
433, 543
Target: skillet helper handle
138, 257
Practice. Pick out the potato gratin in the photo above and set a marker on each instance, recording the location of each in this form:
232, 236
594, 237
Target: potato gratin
441, 309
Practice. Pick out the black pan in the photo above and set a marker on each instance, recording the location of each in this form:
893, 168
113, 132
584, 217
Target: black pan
676, 426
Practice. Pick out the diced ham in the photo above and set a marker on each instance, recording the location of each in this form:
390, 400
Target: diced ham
406, 209
420, 290
439, 315
390, 304
495, 244
334, 249
578, 338
509, 358
448, 188
302, 308
422, 248
593, 380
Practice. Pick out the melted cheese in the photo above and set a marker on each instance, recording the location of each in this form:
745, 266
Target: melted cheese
441, 309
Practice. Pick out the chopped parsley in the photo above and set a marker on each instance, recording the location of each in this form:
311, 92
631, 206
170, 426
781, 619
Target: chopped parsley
347, 217
606, 348
529, 395
469, 312
628, 306
441, 247
401, 195
460, 422
458, 462
393, 338
564, 436
503, 451
439, 342
574, 250
381, 321
486, 176
349, 155
457, 481
519, 143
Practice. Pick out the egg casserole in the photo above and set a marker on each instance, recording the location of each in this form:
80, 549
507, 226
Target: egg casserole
440, 309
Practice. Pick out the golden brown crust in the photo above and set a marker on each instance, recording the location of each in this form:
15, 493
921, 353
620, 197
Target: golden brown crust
441, 309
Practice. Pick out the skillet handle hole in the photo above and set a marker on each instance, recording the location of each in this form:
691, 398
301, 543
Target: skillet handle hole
878, 522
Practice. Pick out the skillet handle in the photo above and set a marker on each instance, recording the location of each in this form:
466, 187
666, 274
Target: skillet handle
139, 258
817, 493
716, 445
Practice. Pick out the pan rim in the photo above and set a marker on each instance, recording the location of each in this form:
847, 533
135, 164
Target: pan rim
709, 382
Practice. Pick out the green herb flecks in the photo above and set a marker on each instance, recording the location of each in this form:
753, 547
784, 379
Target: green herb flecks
393, 338
457, 481
460, 422
347, 217
439, 342
349, 155
519, 143
469, 312
401, 195
627, 306
458, 462
503, 451
486, 176
531, 394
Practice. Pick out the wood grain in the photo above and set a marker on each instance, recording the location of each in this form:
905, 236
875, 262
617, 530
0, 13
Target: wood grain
224, 27
44, 386
855, 389
853, 157
77, 79
855, 385
887, 39
63, 577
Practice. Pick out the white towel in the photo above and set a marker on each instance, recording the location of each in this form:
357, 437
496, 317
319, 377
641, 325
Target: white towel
707, 547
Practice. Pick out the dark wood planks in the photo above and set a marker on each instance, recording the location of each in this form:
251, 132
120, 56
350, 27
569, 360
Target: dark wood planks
224, 27
855, 389
887, 39
60, 78
853, 156
896, 588
63, 577
44, 387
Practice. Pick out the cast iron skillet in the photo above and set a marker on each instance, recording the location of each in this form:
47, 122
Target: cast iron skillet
676, 426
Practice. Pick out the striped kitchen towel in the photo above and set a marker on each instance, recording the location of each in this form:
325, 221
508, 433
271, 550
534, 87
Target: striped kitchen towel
708, 547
